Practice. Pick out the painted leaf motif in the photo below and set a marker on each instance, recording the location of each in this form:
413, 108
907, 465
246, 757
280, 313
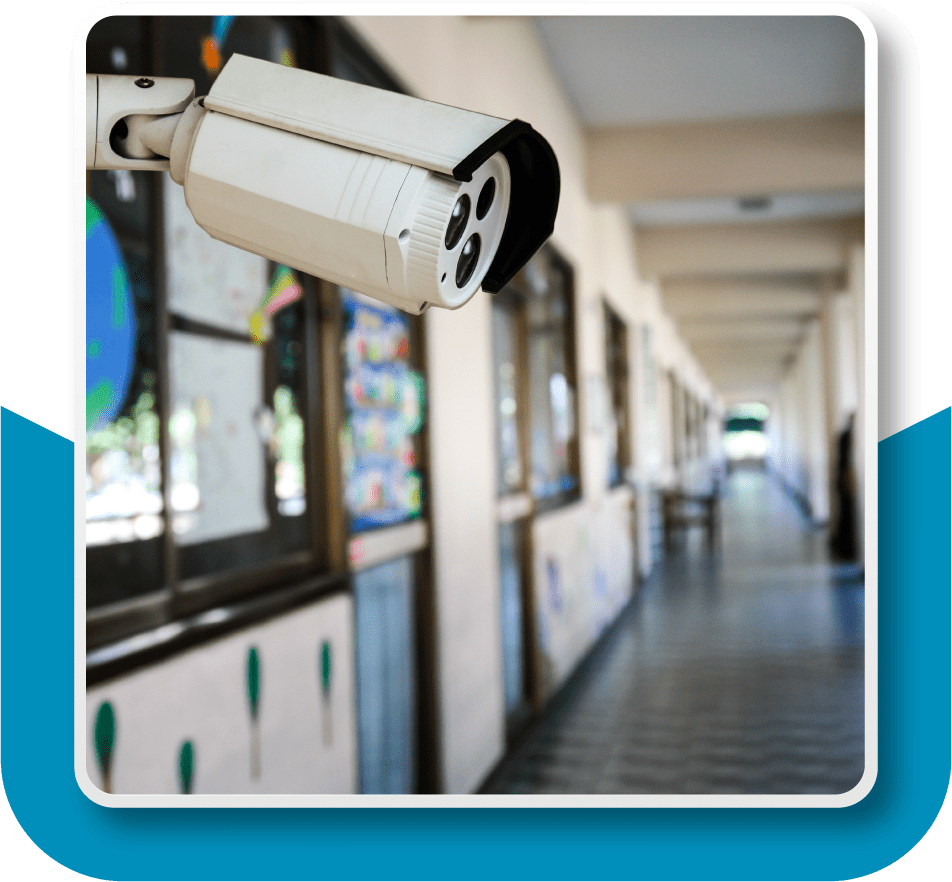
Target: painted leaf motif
254, 680
326, 667
186, 765
104, 735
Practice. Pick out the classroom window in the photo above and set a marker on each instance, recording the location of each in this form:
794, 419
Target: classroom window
535, 382
553, 408
617, 429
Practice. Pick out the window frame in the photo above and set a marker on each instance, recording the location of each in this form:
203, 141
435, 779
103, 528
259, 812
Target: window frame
618, 388
515, 296
569, 496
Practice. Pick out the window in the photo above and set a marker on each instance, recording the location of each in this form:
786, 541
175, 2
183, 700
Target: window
508, 381
618, 434
553, 412
677, 420
236, 432
535, 383
124, 481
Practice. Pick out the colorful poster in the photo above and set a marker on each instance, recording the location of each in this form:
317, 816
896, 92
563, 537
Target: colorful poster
383, 401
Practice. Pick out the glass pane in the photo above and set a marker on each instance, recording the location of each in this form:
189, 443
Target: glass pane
552, 394
616, 367
505, 377
217, 457
237, 446
287, 441
123, 473
124, 509
386, 677
510, 562
384, 411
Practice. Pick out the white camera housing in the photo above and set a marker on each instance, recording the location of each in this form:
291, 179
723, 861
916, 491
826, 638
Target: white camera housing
408, 201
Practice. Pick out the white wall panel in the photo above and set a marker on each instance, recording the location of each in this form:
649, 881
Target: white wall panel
308, 742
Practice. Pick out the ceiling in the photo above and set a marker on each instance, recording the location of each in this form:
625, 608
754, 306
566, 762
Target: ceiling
736, 143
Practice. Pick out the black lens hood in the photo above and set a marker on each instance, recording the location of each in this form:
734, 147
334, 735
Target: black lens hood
533, 199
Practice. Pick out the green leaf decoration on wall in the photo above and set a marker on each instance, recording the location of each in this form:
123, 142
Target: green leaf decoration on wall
326, 667
254, 689
186, 763
104, 738
254, 680
327, 721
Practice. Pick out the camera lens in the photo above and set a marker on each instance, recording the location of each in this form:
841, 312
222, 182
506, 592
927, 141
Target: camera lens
485, 198
457, 224
467, 260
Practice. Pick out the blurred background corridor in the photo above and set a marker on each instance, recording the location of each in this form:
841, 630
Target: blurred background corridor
601, 532
739, 669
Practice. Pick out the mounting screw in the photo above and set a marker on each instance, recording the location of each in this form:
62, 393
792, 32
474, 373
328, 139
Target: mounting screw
145, 83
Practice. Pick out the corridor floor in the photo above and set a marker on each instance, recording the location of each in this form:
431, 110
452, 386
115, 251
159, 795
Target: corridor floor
734, 671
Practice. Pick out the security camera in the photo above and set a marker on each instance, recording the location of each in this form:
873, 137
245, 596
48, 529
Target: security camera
408, 201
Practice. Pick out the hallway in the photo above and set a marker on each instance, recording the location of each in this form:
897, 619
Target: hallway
737, 671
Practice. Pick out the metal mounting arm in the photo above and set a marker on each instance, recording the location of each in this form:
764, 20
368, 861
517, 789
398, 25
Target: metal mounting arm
131, 121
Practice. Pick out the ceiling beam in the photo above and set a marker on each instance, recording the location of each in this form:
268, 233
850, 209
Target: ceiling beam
725, 378
742, 392
782, 328
749, 157
729, 384
741, 354
815, 246
687, 299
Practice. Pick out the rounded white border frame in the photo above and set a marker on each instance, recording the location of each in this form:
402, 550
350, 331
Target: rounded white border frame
77, 350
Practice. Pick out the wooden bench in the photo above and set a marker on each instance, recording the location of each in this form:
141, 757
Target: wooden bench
682, 510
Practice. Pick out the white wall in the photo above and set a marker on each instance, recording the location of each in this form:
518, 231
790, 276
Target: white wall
799, 436
583, 577
822, 388
306, 739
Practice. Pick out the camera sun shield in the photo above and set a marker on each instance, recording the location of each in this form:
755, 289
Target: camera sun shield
437, 137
